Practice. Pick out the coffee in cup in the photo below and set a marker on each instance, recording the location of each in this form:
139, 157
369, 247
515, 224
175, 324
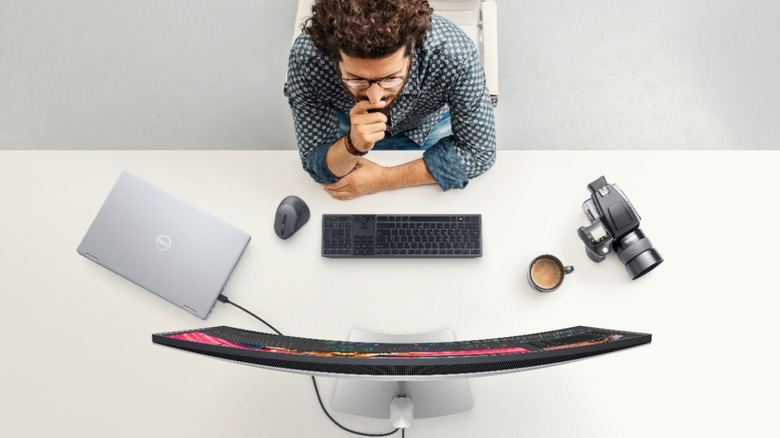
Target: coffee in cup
546, 272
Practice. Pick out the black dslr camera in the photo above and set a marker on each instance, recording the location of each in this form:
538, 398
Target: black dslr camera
615, 223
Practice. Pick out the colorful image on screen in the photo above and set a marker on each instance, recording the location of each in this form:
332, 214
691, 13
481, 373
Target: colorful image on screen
212, 340
344, 349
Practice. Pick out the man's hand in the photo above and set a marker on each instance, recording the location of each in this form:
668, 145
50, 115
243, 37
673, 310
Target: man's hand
367, 127
367, 178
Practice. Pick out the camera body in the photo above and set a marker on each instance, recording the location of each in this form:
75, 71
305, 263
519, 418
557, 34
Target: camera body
614, 224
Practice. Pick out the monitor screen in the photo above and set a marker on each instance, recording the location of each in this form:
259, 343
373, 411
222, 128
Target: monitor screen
456, 358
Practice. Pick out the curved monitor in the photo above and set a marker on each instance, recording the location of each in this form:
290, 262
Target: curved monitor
408, 361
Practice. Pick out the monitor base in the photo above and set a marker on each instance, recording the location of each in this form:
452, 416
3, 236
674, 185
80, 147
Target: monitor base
372, 398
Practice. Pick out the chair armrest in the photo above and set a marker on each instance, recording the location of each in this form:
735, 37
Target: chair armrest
302, 12
490, 47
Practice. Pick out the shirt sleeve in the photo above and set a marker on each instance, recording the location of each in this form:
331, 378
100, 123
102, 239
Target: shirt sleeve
315, 120
471, 150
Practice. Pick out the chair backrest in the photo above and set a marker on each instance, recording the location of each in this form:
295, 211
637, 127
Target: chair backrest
464, 13
302, 13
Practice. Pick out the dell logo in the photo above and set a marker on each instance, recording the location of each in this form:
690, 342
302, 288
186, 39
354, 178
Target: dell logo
163, 243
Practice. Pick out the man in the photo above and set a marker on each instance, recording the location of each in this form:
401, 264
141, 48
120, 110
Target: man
388, 74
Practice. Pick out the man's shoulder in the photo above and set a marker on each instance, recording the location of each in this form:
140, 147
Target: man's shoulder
303, 47
447, 39
303, 50
307, 66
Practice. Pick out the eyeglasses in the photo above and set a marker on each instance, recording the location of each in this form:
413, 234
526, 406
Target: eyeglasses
388, 82
364, 84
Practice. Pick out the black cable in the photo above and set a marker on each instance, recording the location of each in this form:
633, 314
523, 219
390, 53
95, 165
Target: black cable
336, 422
224, 299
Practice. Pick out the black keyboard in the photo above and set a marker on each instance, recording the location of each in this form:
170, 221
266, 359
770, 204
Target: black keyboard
426, 236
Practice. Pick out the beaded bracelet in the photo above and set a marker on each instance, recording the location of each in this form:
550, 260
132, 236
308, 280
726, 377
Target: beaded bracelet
350, 147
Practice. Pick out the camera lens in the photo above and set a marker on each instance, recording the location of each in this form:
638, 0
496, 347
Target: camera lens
637, 254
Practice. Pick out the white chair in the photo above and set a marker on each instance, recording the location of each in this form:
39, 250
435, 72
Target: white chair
478, 18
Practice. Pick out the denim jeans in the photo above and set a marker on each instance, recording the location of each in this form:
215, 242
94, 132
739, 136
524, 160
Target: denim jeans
400, 142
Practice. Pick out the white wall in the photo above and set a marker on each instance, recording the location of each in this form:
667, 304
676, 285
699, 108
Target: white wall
144, 74
207, 74
612, 74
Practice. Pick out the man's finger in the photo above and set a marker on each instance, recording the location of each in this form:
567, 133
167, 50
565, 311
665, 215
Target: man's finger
371, 128
338, 185
340, 194
363, 106
372, 137
367, 118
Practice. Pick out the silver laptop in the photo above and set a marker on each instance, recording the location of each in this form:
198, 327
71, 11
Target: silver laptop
164, 244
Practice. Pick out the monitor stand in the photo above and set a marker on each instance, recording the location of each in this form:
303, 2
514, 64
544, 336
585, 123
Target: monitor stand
372, 398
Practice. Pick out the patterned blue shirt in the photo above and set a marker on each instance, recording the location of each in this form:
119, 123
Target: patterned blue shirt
446, 75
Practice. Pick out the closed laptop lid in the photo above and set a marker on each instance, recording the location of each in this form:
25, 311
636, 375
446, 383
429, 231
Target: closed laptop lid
164, 244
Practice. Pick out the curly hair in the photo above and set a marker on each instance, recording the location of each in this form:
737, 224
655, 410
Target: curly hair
368, 29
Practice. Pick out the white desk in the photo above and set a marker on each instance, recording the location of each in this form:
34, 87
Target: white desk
78, 358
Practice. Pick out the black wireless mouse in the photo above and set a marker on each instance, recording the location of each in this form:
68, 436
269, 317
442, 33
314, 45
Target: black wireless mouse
291, 214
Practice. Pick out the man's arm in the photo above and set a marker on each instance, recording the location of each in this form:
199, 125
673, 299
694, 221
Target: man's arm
362, 176
369, 177
314, 116
367, 129
471, 150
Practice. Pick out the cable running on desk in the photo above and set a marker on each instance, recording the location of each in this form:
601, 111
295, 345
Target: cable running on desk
224, 299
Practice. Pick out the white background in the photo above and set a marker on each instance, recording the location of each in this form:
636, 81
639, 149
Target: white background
78, 358
201, 74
